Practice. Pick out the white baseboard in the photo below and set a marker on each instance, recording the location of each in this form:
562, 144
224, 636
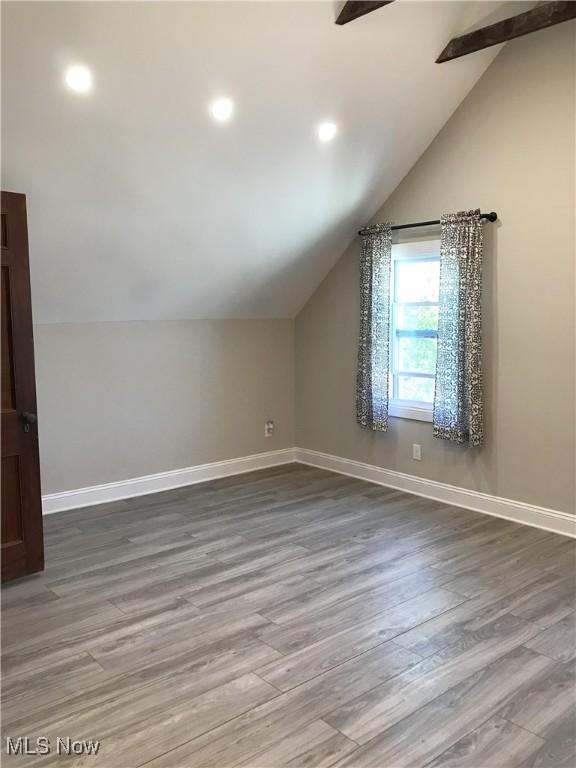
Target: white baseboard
517, 511
162, 481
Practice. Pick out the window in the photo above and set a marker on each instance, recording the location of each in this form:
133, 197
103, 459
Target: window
414, 289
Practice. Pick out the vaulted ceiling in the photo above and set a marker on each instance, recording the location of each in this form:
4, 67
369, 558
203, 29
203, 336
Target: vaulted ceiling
142, 207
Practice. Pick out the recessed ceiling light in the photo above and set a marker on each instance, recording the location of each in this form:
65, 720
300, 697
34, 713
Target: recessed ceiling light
327, 131
222, 109
79, 78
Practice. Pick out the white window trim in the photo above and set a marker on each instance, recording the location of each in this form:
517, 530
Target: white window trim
409, 409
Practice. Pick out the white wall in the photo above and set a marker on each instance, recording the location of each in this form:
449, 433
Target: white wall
122, 400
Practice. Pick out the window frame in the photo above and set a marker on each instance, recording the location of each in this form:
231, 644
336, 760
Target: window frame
417, 250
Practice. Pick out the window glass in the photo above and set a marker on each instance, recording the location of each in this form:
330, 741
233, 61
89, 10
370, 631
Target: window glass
416, 388
417, 318
414, 324
417, 355
417, 280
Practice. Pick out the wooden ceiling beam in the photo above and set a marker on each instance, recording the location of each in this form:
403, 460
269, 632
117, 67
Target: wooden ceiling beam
353, 9
542, 16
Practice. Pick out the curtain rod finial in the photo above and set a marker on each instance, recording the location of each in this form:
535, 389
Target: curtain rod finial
492, 216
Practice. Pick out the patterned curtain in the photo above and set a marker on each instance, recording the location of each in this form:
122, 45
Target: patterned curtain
372, 376
458, 406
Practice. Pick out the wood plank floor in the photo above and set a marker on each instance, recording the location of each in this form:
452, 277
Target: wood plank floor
294, 617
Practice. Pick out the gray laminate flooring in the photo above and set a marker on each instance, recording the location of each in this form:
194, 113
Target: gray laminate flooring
294, 617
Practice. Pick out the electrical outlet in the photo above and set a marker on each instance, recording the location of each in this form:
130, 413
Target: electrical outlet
269, 428
416, 452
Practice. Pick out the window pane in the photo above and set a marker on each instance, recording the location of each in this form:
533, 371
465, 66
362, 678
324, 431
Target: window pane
417, 280
415, 388
416, 318
417, 355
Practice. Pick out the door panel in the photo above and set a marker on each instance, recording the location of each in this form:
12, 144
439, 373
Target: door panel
22, 539
12, 531
8, 394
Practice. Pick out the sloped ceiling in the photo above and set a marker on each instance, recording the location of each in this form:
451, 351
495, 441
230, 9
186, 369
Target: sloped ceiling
141, 207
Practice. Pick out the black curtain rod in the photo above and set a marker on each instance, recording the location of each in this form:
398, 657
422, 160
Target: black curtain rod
492, 216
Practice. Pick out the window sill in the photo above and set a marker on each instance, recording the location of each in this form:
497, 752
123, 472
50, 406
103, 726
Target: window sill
407, 410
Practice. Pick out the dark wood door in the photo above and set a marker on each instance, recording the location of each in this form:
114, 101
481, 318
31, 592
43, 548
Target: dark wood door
22, 540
